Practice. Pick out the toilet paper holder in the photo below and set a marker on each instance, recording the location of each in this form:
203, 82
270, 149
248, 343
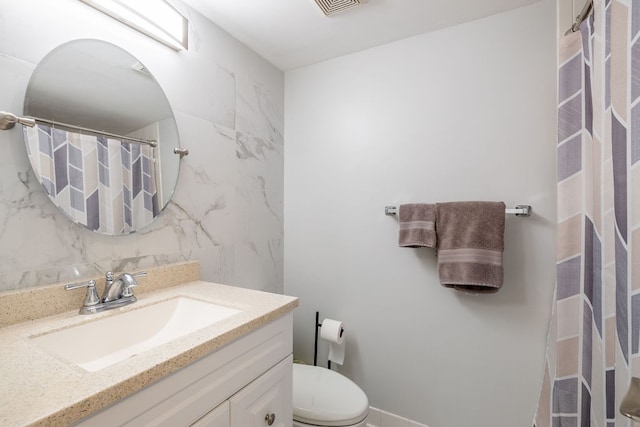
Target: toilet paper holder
315, 347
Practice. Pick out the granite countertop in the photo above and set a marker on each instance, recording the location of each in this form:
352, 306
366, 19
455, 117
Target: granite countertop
40, 388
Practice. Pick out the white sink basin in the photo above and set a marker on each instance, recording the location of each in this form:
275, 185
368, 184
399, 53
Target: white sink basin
104, 342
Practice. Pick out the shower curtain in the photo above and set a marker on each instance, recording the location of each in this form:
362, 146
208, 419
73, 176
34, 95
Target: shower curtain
594, 338
107, 185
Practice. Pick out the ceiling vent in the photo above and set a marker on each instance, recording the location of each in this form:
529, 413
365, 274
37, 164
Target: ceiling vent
331, 7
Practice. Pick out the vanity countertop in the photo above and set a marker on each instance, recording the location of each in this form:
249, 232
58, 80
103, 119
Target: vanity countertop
39, 388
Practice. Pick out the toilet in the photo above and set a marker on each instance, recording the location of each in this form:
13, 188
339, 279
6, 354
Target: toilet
322, 397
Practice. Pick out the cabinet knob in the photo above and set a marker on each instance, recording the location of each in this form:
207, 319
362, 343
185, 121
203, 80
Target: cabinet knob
270, 418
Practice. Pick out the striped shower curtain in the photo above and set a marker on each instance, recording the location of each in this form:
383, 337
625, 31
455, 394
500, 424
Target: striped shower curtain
594, 339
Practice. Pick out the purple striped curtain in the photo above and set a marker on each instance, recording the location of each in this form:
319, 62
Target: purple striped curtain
594, 346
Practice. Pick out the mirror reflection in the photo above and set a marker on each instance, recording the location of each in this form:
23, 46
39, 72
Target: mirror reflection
100, 114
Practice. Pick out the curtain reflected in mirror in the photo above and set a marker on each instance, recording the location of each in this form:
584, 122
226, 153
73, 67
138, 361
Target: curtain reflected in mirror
75, 171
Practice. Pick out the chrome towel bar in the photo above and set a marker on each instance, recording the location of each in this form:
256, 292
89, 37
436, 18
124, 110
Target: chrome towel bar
519, 210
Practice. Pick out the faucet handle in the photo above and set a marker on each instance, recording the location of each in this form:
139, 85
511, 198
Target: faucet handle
91, 298
129, 282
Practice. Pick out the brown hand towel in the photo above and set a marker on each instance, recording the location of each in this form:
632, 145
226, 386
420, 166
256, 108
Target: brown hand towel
417, 225
470, 245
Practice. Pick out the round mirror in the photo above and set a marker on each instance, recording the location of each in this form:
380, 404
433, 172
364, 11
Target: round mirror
103, 145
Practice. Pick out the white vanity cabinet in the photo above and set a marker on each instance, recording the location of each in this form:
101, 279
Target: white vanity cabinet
247, 383
266, 401
218, 417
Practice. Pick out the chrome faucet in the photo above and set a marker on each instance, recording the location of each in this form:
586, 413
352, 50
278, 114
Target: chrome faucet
117, 293
122, 287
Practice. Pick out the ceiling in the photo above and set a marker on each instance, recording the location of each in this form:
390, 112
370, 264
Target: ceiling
295, 33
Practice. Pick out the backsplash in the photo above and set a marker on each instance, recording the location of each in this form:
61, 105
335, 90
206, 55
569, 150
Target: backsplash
30, 304
227, 207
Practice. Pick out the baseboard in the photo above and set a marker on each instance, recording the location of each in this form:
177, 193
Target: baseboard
380, 418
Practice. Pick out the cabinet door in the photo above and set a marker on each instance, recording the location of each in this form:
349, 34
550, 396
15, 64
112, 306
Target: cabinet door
218, 417
267, 401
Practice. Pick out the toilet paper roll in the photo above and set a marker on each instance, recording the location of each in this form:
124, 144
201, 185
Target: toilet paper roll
333, 332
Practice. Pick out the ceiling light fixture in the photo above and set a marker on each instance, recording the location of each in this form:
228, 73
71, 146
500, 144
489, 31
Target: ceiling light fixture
154, 18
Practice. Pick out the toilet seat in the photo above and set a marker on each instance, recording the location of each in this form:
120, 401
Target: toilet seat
322, 397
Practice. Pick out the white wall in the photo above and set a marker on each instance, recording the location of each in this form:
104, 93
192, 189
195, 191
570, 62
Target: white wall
227, 208
467, 113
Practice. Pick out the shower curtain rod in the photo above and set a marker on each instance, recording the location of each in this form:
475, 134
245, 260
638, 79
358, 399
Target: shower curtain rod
8, 120
586, 10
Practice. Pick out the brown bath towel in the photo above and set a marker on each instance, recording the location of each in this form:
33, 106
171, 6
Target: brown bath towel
470, 245
417, 225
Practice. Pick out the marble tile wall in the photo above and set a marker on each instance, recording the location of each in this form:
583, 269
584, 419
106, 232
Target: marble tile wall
227, 209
